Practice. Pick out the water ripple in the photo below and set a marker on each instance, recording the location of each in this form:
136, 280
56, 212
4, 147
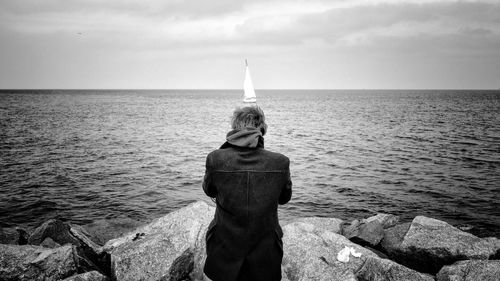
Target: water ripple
88, 155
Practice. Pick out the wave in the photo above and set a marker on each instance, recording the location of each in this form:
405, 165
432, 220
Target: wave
100, 153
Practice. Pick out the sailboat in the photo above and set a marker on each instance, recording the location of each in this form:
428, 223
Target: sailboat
249, 97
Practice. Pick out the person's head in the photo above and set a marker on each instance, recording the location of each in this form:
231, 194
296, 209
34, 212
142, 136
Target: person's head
249, 116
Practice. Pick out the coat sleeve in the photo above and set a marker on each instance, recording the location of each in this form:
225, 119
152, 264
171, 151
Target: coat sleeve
286, 192
208, 186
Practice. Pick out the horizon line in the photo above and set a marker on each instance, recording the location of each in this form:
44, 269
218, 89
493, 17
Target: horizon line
237, 89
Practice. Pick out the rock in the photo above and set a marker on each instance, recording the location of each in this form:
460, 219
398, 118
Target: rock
182, 266
87, 276
101, 231
471, 270
393, 237
82, 234
284, 277
164, 249
429, 244
495, 244
386, 220
84, 241
9, 236
23, 236
377, 252
310, 253
56, 229
364, 232
90, 256
331, 224
377, 269
49, 243
36, 263
13, 236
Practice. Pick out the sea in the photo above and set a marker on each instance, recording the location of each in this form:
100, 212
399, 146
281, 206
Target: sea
88, 155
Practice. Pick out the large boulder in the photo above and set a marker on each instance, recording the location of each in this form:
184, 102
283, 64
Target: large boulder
83, 237
37, 263
169, 248
310, 253
385, 220
49, 243
393, 237
428, 244
14, 236
101, 231
331, 224
90, 254
495, 243
55, 232
471, 270
376, 269
364, 232
87, 276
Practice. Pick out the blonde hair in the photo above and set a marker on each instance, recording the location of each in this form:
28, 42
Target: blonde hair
249, 116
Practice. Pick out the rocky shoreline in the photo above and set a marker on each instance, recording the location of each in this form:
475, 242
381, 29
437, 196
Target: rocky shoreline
173, 248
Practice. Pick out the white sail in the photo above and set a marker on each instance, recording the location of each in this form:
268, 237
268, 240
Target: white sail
249, 95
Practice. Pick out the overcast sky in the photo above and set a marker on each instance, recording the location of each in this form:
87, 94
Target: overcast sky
202, 44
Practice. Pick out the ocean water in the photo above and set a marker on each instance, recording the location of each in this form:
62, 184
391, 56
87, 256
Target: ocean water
89, 155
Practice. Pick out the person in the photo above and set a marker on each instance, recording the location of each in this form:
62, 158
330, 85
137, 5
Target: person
244, 240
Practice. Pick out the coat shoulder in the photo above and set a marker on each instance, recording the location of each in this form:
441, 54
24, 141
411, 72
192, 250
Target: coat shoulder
277, 156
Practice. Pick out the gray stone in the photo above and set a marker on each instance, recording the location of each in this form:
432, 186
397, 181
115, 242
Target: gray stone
495, 244
364, 232
56, 232
165, 247
87, 276
310, 253
376, 269
13, 236
89, 254
471, 270
49, 243
377, 252
429, 244
331, 224
84, 241
386, 220
36, 263
393, 237
9, 236
284, 277
101, 231
56, 229
181, 267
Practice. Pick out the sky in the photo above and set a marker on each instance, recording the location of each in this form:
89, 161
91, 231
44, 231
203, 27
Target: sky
202, 44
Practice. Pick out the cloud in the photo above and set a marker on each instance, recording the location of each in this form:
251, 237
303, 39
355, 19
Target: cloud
363, 24
302, 33
236, 22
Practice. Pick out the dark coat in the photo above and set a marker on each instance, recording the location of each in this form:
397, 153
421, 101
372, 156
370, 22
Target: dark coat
244, 239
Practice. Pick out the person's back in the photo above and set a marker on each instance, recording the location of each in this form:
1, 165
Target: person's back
248, 182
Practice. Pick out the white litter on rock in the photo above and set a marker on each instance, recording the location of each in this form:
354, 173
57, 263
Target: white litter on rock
343, 255
355, 254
